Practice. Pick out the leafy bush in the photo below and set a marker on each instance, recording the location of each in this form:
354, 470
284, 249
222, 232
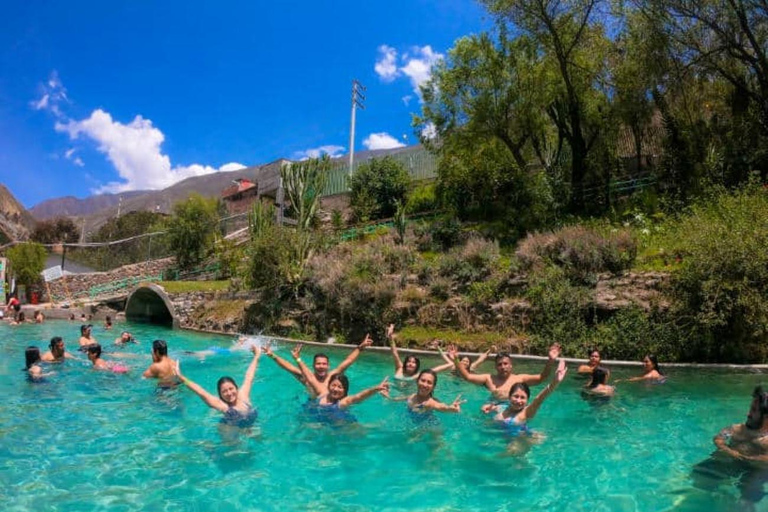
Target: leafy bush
581, 251
445, 233
422, 198
473, 262
376, 187
60, 229
27, 261
192, 229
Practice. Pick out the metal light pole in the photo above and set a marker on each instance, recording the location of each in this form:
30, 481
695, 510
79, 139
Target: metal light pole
357, 101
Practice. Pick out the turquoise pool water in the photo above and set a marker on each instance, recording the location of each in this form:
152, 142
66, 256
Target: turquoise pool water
96, 441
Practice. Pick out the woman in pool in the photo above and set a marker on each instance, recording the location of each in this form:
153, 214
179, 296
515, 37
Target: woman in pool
337, 398
652, 372
597, 385
594, 361
515, 416
32, 357
465, 361
233, 402
423, 401
404, 370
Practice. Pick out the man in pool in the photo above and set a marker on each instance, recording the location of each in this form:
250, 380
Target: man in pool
500, 384
162, 367
85, 336
742, 453
125, 337
320, 366
57, 353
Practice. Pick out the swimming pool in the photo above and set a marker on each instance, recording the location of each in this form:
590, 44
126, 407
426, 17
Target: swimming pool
86, 440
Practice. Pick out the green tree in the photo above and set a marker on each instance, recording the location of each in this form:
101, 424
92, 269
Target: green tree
59, 230
376, 187
192, 229
27, 261
304, 183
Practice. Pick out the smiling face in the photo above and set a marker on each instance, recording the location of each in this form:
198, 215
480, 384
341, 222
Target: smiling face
518, 399
228, 392
465, 362
647, 364
411, 365
320, 365
426, 384
336, 391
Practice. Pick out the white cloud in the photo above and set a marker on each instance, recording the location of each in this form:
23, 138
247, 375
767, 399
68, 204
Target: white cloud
330, 150
386, 65
68, 153
418, 68
134, 150
429, 131
382, 140
416, 65
407, 99
231, 166
78, 161
52, 95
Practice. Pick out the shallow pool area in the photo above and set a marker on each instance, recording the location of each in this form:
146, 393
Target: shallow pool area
87, 440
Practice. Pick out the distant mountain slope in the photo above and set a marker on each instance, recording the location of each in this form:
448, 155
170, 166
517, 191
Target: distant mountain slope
15, 222
70, 206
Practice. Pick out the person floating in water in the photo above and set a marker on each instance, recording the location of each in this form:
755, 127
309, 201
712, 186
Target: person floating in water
57, 352
515, 416
94, 356
595, 359
162, 367
597, 387
742, 454
333, 396
651, 372
321, 373
233, 402
501, 383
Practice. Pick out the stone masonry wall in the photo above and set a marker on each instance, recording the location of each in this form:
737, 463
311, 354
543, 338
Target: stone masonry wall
77, 286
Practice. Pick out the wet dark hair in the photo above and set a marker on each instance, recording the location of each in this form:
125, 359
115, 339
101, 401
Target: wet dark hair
319, 355
55, 341
523, 386
592, 351
434, 376
108, 320
84, 328
160, 347
94, 348
341, 378
762, 398
32, 356
21, 317
599, 374
655, 362
412, 358
223, 381
502, 355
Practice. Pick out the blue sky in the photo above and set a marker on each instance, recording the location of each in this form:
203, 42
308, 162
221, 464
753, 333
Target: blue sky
114, 96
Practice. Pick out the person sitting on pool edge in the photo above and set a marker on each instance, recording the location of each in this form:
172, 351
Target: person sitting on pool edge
57, 352
334, 396
597, 385
162, 367
320, 366
501, 383
233, 402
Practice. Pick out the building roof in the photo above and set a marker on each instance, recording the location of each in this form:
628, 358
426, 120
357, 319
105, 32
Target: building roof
238, 186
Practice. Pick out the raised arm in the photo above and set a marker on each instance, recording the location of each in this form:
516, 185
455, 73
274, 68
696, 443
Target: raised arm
531, 410
533, 380
393, 348
212, 401
309, 377
245, 389
352, 357
282, 363
364, 394
483, 379
480, 360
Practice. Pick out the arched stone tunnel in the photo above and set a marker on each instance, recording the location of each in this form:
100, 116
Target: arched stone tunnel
149, 303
